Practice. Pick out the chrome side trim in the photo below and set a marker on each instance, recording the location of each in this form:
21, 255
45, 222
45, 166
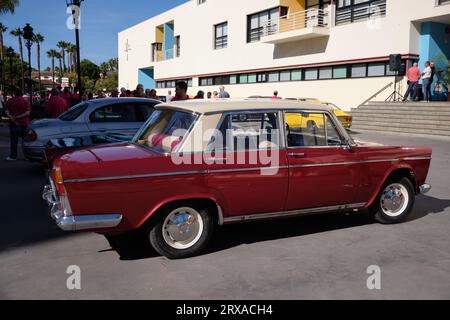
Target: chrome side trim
416, 158
293, 213
77, 223
142, 176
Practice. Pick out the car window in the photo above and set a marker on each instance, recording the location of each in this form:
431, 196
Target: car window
305, 129
116, 113
144, 111
165, 130
247, 131
74, 112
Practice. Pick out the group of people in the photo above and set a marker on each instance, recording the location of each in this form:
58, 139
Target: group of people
222, 94
427, 76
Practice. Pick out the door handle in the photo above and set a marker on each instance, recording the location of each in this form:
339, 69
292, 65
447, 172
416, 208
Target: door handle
296, 154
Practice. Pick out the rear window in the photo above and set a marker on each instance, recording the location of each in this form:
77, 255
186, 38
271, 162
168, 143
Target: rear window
74, 112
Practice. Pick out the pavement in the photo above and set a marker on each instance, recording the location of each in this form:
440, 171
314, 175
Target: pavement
315, 257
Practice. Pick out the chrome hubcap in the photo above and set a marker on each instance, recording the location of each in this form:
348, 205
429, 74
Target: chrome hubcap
394, 200
182, 228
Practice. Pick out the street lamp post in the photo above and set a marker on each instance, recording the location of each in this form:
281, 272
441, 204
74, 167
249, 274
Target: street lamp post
28, 36
10, 54
75, 5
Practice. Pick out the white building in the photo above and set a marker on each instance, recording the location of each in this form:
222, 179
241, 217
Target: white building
334, 50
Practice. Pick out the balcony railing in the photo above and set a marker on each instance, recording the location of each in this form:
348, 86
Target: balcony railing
296, 21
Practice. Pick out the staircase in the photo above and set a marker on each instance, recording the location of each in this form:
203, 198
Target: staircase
431, 118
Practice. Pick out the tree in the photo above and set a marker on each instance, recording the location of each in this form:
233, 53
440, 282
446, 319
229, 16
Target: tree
72, 49
52, 55
19, 33
109, 83
11, 71
58, 56
63, 46
3, 29
90, 70
8, 6
38, 39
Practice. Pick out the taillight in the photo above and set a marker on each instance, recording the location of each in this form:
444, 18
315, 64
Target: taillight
59, 182
31, 135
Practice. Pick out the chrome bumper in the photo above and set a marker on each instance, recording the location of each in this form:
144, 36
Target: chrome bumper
69, 222
424, 188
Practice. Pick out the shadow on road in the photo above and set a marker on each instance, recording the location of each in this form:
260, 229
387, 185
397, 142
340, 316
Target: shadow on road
135, 246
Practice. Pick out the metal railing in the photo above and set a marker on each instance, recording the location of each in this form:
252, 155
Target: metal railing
377, 93
298, 20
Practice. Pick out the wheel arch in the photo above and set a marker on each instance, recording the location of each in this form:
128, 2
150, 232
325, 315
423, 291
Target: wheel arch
402, 170
211, 202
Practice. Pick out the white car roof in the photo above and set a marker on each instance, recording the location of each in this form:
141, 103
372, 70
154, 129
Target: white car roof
203, 106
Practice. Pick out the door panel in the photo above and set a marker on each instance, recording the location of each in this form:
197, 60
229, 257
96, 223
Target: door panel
321, 171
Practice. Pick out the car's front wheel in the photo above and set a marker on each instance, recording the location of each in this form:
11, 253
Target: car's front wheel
182, 230
395, 201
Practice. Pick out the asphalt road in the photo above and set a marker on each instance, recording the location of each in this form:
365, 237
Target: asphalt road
316, 257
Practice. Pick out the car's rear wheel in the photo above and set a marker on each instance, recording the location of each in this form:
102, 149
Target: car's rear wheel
395, 201
182, 230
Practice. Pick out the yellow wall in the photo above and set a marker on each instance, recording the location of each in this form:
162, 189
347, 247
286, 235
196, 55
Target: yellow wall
159, 34
294, 5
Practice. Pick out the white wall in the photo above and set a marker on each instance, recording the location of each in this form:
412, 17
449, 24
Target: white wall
393, 33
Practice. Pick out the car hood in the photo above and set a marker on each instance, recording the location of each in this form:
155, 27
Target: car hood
340, 113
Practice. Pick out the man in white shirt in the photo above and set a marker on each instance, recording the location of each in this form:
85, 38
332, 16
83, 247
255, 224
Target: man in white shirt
426, 78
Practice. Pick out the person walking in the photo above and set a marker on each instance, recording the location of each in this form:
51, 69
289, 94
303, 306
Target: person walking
56, 105
18, 110
413, 82
433, 72
426, 76
200, 95
222, 93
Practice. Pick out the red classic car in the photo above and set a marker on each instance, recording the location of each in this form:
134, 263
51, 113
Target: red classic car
197, 164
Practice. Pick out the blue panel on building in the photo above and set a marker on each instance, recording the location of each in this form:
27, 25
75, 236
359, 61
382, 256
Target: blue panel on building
435, 46
169, 41
147, 78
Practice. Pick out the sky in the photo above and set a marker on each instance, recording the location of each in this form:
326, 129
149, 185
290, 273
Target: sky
101, 21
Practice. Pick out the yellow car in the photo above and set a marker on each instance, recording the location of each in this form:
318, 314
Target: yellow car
343, 117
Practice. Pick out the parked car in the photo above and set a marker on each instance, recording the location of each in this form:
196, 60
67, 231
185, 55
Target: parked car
345, 118
177, 190
87, 123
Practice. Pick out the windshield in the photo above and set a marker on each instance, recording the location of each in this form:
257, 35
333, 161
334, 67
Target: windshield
74, 112
165, 130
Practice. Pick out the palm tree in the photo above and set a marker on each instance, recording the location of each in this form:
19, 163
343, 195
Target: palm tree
3, 29
58, 56
63, 45
38, 39
19, 33
52, 55
69, 56
73, 56
8, 6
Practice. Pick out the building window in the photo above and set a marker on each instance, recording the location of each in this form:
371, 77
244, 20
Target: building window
221, 35
285, 75
376, 69
359, 70
340, 72
199, 2
444, 2
172, 83
348, 11
258, 21
311, 74
262, 77
325, 73
177, 46
274, 76
296, 75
